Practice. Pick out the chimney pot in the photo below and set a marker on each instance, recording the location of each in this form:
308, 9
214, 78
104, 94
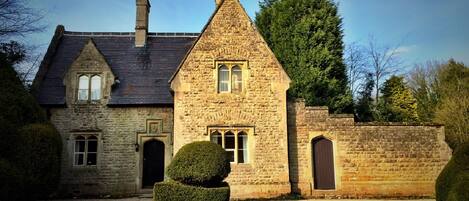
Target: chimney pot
141, 26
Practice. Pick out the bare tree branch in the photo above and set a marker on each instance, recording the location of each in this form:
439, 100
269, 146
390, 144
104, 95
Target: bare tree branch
383, 61
16, 19
355, 59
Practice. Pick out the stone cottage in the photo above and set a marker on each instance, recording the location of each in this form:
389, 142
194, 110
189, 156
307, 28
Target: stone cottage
125, 103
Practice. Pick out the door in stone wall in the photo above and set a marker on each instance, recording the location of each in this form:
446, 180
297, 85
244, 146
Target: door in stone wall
323, 164
153, 163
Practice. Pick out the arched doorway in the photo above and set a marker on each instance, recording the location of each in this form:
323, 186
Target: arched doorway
153, 163
323, 164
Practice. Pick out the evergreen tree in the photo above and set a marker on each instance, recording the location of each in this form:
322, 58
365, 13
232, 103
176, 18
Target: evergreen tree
364, 105
397, 103
306, 36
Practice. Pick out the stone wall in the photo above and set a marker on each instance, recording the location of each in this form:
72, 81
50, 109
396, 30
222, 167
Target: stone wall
118, 170
231, 36
371, 160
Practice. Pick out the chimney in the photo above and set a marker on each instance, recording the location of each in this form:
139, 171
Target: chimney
141, 27
218, 2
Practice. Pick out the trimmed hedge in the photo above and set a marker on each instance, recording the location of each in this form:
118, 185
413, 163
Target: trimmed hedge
175, 191
39, 159
453, 182
201, 164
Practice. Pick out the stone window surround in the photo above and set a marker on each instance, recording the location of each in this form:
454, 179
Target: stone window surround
337, 171
250, 133
230, 64
90, 76
72, 138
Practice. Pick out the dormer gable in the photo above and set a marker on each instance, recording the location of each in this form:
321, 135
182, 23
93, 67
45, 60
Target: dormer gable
89, 78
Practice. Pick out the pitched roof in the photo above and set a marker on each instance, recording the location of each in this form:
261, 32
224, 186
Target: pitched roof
143, 72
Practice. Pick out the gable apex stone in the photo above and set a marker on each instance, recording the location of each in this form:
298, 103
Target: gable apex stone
234, 15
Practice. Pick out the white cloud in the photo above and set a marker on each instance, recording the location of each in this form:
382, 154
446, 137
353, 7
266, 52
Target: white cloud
402, 49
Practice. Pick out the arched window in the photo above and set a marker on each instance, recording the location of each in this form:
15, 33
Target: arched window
96, 87
236, 79
230, 145
223, 78
85, 151
83, 87
216, 138
242, 147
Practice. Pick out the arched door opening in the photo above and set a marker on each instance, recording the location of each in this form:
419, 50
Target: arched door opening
153, 163
323, 164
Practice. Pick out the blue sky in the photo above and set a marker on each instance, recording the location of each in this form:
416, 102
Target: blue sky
423, 29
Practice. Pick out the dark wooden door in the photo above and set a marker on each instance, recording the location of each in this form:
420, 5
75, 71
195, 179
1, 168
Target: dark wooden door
153, 163
323, 163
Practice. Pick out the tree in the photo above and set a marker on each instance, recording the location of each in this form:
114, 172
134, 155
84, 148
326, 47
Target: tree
12, 52
397, 103
383, 61
306, 36
355, 60
422, 81
18, 20
453, 107
25, 148
364, 106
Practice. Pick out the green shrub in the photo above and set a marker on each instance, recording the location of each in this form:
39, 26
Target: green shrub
39, 158
18, 108
200, 163
453, 182
10, 181
175, 191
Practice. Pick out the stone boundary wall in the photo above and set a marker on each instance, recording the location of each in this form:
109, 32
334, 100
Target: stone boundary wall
370, 159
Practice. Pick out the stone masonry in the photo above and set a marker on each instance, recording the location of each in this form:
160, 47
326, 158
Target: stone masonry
371, 160
231, 36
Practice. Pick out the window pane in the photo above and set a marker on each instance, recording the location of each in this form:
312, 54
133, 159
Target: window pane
79, 145
216, 138
229, 140
79, 159
236, 79
92, 146
96, 87
91, 159
223, 78
83, 87
242, 147
241, 157
230, 155
242, 140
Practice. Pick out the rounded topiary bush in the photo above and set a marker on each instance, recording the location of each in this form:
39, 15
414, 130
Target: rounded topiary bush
200, 163
453, 182
39, 159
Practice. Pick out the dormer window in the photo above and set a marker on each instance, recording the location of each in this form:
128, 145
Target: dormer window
230, 77
89, 88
